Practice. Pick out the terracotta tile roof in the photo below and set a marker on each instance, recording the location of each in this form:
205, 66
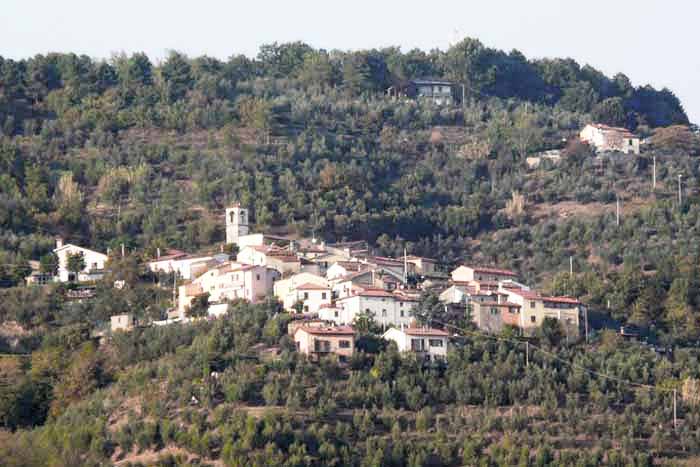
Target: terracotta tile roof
327, 331
192, 290
376, 293
284, 258
527, 294
350, 265
568, 300
624, 131
310, 286
503, 305
384, 260
422, 258
170, 254
426, 332
353, 275
495, 271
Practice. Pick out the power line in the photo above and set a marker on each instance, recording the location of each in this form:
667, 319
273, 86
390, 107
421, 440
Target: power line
556, 357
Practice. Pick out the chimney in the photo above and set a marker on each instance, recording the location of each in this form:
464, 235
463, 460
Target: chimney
59, 242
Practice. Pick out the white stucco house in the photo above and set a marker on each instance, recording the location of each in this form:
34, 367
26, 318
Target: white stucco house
427, 343
286, 290
94, 262
606, 138
183, 264
388, 308
228, 281
469, 274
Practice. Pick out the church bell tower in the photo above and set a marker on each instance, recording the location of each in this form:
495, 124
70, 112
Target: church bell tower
236, 223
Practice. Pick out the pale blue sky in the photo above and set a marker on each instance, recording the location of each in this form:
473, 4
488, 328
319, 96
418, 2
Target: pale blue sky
652, 41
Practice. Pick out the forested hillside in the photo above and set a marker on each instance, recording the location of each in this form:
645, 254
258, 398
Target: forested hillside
147, 155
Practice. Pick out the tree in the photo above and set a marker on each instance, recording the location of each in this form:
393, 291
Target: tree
48, 264
364, 323
428, 307
75, 262
611, 111
177, 74
356, 74
199, 306
552, 331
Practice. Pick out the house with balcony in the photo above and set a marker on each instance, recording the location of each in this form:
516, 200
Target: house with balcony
226, 282
387, 308
289, 293
470, 274
535, 307
435, 90
318, 341
428, 344
94, 263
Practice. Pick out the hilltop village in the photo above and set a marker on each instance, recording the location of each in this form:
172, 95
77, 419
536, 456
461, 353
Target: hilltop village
328, 289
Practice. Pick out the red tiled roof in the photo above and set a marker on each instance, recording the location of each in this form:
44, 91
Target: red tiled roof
495, 271
422, 258
170, 254
284, 258
193, 289
527, 294
375, 293
330, 331
425, 332
504, 304
617, 129
568, 300
384, 260
310, 286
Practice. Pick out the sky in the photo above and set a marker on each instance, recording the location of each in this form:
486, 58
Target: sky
651, 41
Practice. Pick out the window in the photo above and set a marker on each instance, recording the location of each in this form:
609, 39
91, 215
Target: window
323, 296
343, 344
336, 313
402, 313
532, 304
533, 319
494, 310
306, 295
383, 313
257, 277
417, 345
435, 342
401, 304
367, 310
306, 308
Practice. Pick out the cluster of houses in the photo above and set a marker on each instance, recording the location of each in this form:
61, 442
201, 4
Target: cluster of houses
328, 287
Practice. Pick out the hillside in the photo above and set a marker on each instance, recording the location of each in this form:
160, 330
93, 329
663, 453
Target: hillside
127, 153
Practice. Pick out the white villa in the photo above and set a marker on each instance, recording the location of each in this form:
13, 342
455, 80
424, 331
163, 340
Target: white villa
427, 343
94, 262
229, 281
388, 309
608, 138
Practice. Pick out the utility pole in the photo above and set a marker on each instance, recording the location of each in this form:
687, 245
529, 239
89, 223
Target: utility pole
585, 317
675, 413
680, 192
464, 97
571, 266
617, 210
653, 174
527, 353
